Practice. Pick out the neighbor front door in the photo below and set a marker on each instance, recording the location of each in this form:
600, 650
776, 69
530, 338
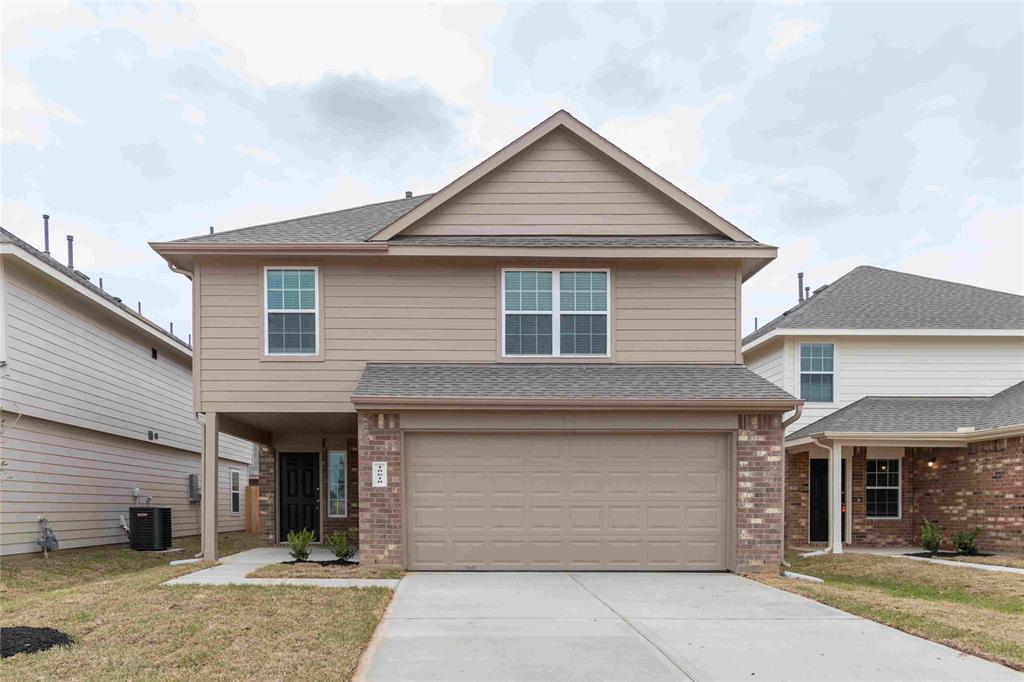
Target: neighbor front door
819, 511
299, 493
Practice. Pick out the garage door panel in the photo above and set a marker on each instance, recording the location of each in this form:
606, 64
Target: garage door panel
567, 501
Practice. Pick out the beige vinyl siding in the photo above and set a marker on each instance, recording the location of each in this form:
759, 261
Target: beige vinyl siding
559, 186
74, 364
897, 366
82, 481
434, 310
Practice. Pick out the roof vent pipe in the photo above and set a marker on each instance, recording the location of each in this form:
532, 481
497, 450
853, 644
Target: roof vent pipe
172, 329
46, 234
408, 194
140, 307
800, 286
101, 282
71, 252
807, 292
755, 324
211, 229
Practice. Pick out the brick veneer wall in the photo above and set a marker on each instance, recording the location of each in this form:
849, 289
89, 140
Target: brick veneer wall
380, 509
268, 496
882, 532
798, 494
759, 452
980, 486
349, 523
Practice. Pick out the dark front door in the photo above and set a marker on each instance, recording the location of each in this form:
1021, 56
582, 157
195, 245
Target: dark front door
819, 500
299, 493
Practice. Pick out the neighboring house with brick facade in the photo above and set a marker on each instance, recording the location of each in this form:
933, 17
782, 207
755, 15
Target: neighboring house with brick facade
913, 410
95, 412
536, 367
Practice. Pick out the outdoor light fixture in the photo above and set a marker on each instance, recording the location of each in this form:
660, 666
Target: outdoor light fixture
931, 461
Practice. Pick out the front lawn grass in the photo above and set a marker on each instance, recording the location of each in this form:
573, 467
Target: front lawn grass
131, 627
977, 612
25, 573
312, 569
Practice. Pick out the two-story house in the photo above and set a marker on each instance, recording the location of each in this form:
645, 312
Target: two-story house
536, 367
913, 409
95, 412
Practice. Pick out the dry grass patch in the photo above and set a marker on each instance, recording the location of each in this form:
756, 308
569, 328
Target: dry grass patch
1013, 561
131, 627
977, 612
312, 569
27, 573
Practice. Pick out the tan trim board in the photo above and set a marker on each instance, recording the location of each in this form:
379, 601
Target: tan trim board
796, 331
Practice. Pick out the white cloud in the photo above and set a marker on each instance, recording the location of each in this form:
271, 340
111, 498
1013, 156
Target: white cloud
193, 115
788, 33
257, 153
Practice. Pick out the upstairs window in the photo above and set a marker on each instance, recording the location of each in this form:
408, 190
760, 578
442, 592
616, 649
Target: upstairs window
555, 313
292, 310
817, 372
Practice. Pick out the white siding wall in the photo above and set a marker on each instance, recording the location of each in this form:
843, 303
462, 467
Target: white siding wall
69, 363
895, 366
82, 480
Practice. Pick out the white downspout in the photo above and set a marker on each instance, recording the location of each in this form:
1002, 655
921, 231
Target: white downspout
786, 422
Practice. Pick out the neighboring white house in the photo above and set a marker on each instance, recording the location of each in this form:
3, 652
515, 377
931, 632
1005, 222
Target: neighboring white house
95, 402
877, 332
908, 406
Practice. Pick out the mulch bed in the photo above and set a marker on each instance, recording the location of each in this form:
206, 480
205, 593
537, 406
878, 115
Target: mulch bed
944, 555
332, 562
25, 640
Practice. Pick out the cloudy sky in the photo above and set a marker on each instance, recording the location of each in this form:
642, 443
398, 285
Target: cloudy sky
849, 133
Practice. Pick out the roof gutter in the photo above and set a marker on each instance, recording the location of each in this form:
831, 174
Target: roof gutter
911, 437
587, 404
277, 248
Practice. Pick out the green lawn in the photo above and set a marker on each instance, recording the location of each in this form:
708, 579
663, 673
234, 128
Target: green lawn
128, 626
978, 612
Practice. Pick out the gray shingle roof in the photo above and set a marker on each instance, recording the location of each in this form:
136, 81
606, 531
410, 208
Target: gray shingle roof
922, 414
874, 298
652, 241
566, 381
348, 225
83, 280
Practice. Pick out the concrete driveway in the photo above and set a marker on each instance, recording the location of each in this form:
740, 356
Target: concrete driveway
648, 626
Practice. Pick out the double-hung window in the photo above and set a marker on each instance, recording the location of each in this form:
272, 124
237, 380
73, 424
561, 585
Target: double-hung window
883, 488
555, 313
236, 491
817, 372
293, 306
337, 484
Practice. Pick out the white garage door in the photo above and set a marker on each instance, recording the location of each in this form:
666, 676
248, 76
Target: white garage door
567, 501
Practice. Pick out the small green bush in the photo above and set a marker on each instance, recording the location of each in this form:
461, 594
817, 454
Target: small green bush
966, 541
931, 535
340, 545
298, 544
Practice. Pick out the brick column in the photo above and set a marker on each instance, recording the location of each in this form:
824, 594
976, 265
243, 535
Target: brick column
380, 509
759, 451
798, 493
268, 496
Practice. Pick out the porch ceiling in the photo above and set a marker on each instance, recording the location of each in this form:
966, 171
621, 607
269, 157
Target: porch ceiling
275, 423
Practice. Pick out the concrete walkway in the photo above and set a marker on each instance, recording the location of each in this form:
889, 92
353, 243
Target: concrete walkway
232, 571
904, 552
646, 626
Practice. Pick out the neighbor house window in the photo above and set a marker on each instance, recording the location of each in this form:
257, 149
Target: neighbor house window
292, 310
817, 372
555, 313
337, 488
883, 488
236, 491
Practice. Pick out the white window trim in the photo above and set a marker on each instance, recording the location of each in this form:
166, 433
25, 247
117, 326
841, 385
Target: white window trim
344, 469
232, 492
835, 373
315, 311
898, 488
556, 313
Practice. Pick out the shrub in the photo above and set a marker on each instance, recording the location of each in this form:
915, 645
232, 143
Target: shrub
340, 545
298, 544
966, 541
931, 535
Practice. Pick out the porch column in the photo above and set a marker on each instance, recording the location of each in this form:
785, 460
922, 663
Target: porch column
209, 489
835, 498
